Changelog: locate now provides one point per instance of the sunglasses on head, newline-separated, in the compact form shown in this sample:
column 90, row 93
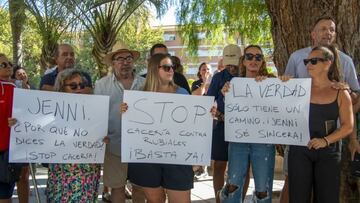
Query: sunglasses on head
column 75, row 85
column 258, row 57
column 313, row 61
column 6, row 65
column 166, row 67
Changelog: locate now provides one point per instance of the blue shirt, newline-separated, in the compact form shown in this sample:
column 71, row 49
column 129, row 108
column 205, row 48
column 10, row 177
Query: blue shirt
column 217, row 82
column 49, row 79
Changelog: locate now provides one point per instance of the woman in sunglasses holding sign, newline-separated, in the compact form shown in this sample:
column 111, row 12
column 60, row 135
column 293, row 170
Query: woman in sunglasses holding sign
column 72, row 182
column 241, row 155
column 173, row 180
column 317, row 166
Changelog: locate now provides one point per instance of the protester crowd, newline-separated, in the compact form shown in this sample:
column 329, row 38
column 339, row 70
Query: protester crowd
column 312, row 171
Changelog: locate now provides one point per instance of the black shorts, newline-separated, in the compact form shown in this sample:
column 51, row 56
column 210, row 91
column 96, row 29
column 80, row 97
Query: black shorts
column 168, row 176
column 219, row 149
column 6, row 190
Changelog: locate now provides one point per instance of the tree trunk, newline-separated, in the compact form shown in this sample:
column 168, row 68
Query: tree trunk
column 17, row 18
column 292, row 22
column 47, row 54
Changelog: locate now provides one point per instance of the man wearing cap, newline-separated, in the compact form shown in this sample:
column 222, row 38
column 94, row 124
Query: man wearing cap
column 219, row 150
column 121, row 60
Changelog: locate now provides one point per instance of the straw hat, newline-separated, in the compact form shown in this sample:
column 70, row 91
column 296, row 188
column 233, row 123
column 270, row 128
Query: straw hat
column 120, row 48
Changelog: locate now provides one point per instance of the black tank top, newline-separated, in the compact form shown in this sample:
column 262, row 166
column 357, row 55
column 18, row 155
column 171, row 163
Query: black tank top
column 320, row 114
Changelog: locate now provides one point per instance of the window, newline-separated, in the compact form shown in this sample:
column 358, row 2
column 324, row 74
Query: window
column 169, row 37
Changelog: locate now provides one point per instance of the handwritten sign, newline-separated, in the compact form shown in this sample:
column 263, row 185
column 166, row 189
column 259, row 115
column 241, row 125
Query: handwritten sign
column 57, row 127
column 270, row 111
column 166, row 128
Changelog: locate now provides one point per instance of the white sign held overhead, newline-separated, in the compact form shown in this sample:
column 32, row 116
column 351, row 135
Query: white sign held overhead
column 55, row 127
column 166, row 128
column 270, row 111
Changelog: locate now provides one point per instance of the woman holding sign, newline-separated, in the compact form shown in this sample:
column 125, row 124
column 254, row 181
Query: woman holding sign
column 260, row 156
column 72, row 182
column 317, row 166
column 159, row 180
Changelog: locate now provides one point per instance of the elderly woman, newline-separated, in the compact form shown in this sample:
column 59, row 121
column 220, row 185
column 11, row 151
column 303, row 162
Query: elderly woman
column 72, row 182
column 317, row 166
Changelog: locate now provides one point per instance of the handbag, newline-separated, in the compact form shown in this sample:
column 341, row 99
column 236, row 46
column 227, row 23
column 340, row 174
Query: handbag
column 355, row 165
column 9, row 172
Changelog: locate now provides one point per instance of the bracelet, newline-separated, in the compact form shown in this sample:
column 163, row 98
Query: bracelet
column 327, row 141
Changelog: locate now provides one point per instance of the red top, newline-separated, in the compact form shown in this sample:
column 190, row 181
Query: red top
column 6, row 102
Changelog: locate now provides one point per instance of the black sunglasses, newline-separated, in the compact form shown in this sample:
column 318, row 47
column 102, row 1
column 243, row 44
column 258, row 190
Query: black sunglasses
column 166, row 67
column 75, row 85
column 313, row 61
column 258, row 57
column 6, row 65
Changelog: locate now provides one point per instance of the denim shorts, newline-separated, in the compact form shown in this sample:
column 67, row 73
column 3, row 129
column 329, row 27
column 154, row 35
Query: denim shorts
column 168, row 176
column 6, row 190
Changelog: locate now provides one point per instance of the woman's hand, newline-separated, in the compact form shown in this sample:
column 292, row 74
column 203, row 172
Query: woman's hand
column 285, row 78
column 213, row 111
column 353, row 147
column 123, row 107
column 106, row 140
column 225, row 88
column 317, row 143
column 11, row 121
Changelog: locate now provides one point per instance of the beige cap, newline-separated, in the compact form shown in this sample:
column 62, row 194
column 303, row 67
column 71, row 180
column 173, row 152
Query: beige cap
column 119, row 48
column 231, row 55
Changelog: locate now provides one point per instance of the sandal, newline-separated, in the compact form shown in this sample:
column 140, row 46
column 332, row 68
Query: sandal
column 106, row 197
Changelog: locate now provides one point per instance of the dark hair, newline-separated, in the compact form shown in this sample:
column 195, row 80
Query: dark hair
column 330, row 53
column 198, row 73
column 16, row 68
column 323, row 18
column 158, row 45
column 178, row 67
column 262, row 71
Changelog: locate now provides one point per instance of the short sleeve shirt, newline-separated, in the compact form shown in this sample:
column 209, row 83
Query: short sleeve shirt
column 296, row 67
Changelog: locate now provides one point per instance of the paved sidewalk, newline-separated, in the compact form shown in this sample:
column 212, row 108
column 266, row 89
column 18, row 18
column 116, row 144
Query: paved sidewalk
column 201, row 193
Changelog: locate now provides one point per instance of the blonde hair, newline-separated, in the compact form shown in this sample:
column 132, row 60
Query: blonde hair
column 152, row 78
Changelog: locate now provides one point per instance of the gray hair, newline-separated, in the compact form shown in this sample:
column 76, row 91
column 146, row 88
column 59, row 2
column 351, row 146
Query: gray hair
column 64, row 75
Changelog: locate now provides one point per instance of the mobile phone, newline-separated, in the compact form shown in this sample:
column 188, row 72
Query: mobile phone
column 355, row 165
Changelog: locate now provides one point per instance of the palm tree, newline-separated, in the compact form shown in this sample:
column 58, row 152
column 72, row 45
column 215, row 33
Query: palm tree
column 103, row 20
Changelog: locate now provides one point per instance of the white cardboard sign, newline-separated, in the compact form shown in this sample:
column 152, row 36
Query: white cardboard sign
column 58, row 127
column 166, row 128
column 270, row 111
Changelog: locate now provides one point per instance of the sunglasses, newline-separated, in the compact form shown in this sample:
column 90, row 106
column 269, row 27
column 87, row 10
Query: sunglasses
column 258, row 57
column 75, row 85
column 6, row 65
column 313, row 61
column 166, row 67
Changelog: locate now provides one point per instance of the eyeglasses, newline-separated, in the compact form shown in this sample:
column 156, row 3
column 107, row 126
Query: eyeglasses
column 166, row 67
column 313, row 61
column 123, row 59
column 258, row 57
column 6, row 65
column 75, row 85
